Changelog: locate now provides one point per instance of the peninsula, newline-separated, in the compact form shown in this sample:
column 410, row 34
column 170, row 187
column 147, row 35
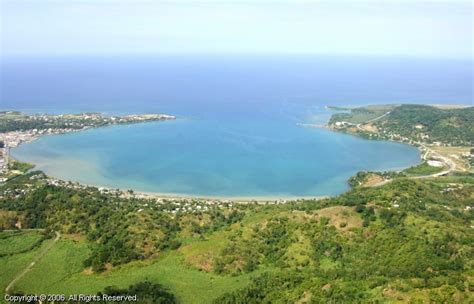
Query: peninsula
column 444, row 134
column 17, row 128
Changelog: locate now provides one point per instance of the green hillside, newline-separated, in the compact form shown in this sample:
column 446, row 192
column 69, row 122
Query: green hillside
column 415, row 122
column 409, row 240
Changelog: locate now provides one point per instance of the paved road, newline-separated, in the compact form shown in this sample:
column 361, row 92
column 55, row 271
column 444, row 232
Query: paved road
column 451, row 166
column 377, row 118
column 32, row 264
column 371, row 120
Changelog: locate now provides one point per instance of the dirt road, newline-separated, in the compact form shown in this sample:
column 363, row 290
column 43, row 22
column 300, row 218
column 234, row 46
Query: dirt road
column 32, row 264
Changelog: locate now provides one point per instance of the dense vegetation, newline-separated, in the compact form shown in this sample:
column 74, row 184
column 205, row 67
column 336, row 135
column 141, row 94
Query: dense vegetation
column 360, row 115
column 454, row 126
column 19, row 166
column 121, row 229
column 146, row 292
column 416, row 122
column 362, row 178
column 409, row 240
column 409, row 246
column 142, row 292
column 12, row 244
column 423, row 169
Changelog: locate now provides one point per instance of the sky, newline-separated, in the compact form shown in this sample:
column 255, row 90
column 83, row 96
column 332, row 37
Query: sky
column 338, row 27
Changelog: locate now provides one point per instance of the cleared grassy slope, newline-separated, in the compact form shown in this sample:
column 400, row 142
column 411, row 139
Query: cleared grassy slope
column 61, row 271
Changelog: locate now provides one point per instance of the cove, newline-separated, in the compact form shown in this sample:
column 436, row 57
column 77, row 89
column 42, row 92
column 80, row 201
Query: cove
column 260, row 156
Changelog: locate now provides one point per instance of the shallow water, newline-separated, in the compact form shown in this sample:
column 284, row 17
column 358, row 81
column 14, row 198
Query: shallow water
column 214, row 158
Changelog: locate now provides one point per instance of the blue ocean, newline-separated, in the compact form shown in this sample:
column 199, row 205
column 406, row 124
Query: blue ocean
column 237, row 132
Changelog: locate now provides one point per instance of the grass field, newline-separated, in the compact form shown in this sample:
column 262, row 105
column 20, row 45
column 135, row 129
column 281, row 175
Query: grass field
column 20, row 166
column 362, row 115
column 63, row 268
column 177, row 270
column 456, row 155
column 423, row 169
column 16, row 242
column 11, row 265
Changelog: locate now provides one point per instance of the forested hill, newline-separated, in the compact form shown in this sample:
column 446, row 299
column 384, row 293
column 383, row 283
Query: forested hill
column 408, row 241
column 425, row 123
column 447, row 126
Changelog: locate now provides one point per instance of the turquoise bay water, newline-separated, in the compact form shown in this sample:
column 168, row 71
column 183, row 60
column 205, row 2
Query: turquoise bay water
column 214, row 158
column 237, row 132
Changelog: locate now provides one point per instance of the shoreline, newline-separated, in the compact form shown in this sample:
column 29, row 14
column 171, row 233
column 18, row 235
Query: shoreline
column 223, row 199
column 427, row 150
column 419, row 146
column 152, row 194
column 165, row 196
column 216, row 198
column 28, row 128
